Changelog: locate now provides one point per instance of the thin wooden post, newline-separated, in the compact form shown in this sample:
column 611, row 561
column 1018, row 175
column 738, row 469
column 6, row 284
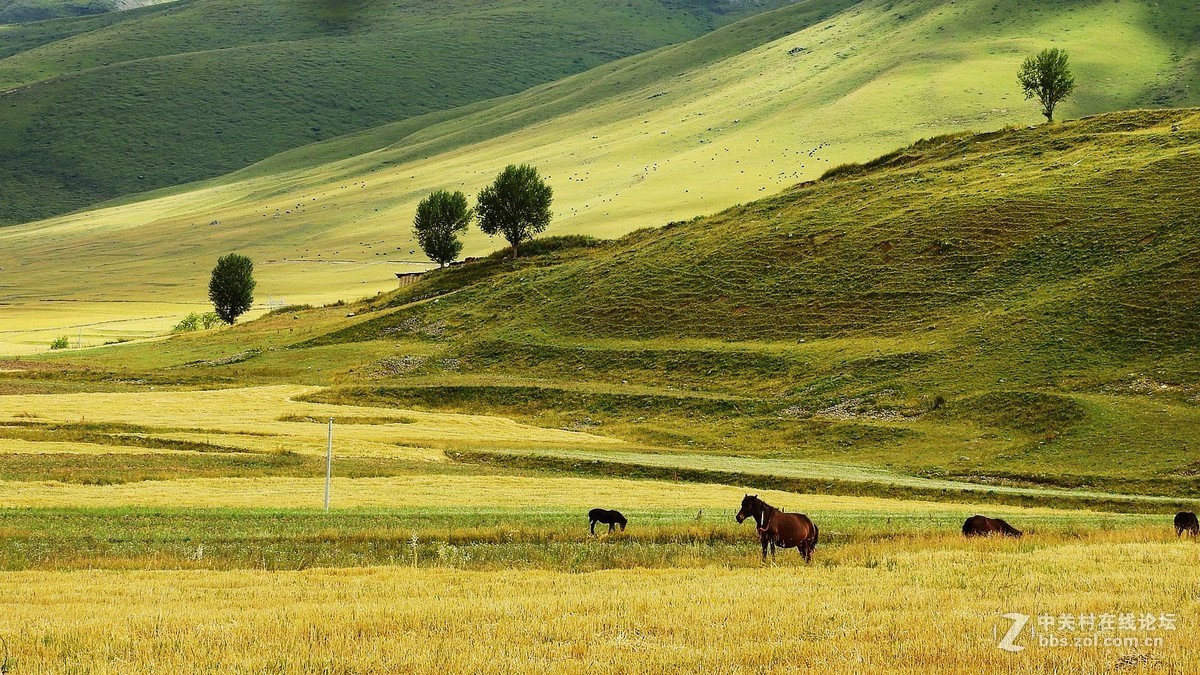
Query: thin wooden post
column 328, row 463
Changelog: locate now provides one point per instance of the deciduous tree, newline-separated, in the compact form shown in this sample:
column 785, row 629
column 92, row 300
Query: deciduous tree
column 516, row 206
column 1048, row 78
column 441, row 217
column 231, row 287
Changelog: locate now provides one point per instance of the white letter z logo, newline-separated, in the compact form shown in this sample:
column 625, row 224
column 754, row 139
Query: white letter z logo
column 1019, row 621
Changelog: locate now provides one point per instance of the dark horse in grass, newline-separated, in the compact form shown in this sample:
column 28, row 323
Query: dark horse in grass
column 981, row 526
column 776, row 528
column 610, row 518
column 1185, row 521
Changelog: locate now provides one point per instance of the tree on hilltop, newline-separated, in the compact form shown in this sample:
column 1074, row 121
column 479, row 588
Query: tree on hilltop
column 517, row 205
column 440, row 218
column 1048, row 78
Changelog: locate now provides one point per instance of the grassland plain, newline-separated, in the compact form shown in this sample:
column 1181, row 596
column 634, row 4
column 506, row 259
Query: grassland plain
column 164, row 95
column 108, row 578
column 728, row 118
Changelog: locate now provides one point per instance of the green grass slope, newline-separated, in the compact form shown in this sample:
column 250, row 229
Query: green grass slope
column 1017, row 309
column 728, row 118
column 197, row 88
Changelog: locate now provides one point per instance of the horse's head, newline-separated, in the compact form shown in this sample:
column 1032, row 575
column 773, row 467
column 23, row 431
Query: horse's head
column 750, row 506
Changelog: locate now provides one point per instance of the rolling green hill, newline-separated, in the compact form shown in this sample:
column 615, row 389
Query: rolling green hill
column 1017, row 308
column 741, row 113
column 193, row 89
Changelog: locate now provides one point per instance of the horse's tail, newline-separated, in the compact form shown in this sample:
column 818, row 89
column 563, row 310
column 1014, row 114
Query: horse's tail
column 816, row 535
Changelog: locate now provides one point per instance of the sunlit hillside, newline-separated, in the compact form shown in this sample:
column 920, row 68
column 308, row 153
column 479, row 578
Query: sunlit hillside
column 731, row 117
column 104, row 106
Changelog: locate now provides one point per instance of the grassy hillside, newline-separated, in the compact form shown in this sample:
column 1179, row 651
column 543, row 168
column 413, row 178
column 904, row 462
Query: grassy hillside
column 198, row 88
column 1015, row 309
column 1020, row 305
column 725, row 119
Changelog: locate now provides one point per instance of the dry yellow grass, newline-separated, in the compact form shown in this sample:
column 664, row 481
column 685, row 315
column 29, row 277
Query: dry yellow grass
column 250, row 418
column 12, row 446
column 30, row 327
column 441, row 491
column 431, row 490
column 921, row 601
column 899, row 610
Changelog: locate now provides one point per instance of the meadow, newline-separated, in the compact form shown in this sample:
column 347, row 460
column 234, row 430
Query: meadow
column 146, row 561
column 526, row 590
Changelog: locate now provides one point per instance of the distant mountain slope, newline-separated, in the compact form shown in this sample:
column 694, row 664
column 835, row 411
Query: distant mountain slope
column 19, row 11
column 741, row 113
column 197, row 88
column 22, row 11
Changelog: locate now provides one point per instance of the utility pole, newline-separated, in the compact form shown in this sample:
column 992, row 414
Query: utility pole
column 328, row 463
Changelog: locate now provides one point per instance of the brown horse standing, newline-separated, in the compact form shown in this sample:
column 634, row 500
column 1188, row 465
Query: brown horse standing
column 980, row 526
column 1185, row 521
column 776, row 528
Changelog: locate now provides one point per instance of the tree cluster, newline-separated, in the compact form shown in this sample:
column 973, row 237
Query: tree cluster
column 515, row 206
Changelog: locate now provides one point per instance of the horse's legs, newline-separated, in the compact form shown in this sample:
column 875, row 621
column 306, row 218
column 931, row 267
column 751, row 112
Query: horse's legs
column 612, row 526
column 592, row 527
column 772, row 550
column 764, row 546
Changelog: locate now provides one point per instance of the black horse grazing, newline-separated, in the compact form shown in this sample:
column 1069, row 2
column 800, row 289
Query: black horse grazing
column 979, row 526
column 1185, row 521
column 610, row 518
column 776, row 528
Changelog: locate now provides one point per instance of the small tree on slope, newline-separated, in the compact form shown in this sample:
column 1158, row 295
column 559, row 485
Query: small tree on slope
column 1048, row 78
column 517, row 205
column 440, row 218
column 231, row 287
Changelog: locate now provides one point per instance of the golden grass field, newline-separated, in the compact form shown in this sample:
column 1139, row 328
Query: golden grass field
column 677, row 595
column 417, row 491
column 251, row 418
column 893, row 607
